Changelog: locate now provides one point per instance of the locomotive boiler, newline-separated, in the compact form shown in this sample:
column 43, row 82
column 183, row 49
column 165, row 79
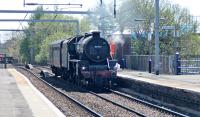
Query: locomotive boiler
column 83, row 59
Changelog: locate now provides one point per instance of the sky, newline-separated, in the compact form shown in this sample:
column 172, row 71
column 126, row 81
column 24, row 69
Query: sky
column 19, row 5
column 192, row 5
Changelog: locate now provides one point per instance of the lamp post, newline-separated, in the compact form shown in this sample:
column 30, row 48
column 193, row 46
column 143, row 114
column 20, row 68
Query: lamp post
column 151, row 25
column 150, row 31
column 5, row 64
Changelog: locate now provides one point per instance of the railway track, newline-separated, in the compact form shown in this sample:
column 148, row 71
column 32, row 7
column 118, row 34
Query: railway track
column 121, row 106
column 90, row 95
column 161, row 108
column 132, row 104
column 65, row 95
column 117, row 104
column 96, row 105
column 157, row 107
column 135, row 100
column 127, row 103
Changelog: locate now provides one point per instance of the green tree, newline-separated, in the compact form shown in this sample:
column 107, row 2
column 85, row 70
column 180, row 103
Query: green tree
column 85, row 25
column 42, row 57
column 13, row 46
column 174, row 15
column 25, row 50
column 38, row 35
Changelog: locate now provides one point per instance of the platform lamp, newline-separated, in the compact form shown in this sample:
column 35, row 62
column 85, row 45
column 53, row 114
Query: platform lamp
column 150, row 31
column 5, row 65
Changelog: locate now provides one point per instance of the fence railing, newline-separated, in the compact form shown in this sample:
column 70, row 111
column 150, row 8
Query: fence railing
column 174, row 64
column 141, row 63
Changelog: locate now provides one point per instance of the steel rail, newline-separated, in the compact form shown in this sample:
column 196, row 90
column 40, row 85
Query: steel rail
column 64, row 94
column 124, row 107
column 148, row 104
column 134, row 99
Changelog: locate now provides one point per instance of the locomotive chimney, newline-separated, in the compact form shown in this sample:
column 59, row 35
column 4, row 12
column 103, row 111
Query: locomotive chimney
column 96, row 34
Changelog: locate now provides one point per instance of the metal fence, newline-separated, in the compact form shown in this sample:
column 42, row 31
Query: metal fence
column 141, row 63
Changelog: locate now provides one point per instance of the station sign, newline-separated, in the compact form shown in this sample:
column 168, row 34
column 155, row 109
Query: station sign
column 168, row 27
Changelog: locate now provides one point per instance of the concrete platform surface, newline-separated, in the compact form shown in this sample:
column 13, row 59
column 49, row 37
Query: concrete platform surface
column 12, row 103
column 18, row 98
column 187, row 82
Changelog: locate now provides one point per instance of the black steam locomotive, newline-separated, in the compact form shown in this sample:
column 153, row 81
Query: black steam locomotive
column 83, row 59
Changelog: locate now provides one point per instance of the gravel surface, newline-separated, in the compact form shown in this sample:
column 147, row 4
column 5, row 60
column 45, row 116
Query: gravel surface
column 148, row 111
column 69, row 108
column 86, row 98
column 105, row 108
column 99, row 105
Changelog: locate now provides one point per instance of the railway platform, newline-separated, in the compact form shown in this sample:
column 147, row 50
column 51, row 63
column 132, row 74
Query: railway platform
column 179, row 92
column 186, row 82
column 19, row 98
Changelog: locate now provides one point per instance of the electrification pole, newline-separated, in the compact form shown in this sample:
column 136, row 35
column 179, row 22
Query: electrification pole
column 157, row 56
